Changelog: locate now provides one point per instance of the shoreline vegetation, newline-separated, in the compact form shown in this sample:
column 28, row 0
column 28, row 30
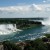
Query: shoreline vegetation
column 37, row 44
column 22, row 23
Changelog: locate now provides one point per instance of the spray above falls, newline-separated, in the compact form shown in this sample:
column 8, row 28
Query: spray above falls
column 46, row 21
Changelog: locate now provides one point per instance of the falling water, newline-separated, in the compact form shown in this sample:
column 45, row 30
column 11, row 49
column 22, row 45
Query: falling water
column 46, row 21
column 6, row 29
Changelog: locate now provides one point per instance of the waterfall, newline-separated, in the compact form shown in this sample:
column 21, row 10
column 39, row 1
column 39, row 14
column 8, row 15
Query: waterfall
column 6, row 29
column 46, row 21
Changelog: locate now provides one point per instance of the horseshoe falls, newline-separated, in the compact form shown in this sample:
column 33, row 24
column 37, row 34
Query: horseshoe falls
column 46, row 21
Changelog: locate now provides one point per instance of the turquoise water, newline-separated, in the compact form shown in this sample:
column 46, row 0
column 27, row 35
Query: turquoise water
column 28, row 34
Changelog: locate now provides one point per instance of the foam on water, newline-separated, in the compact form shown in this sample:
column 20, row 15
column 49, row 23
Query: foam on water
column 6, row 29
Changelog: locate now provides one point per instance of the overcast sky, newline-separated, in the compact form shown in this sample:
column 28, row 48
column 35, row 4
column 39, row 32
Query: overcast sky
column 24, row 8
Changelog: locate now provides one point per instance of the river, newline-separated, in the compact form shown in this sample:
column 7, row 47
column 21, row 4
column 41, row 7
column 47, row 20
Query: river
column 9, row 32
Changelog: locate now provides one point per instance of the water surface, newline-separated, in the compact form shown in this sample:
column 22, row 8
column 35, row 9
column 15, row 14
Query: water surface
column 30, row 34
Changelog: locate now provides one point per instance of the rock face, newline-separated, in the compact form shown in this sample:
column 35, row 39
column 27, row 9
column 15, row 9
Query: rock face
column 1, row 47
column 27, row 24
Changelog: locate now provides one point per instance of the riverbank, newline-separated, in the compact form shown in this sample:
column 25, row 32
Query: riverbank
column 24, row 24
column 37, row 44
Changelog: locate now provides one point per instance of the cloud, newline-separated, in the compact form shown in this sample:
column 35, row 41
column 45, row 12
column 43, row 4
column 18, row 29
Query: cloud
column 44, row 1
column 48, row 9
column 47, row 0
column 21, row 8
column 37, row 7
column 33, row 10
column 15, row 8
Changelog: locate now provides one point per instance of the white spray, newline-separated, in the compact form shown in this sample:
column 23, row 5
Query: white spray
column 6, row 29
column 46, row 21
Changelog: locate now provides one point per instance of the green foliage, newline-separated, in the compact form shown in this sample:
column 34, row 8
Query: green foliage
column 10, row 46
column 41, row 46
column 48, row 46
column 37, row 44
column 45, row 39
column 47, row 35
column 28, row 47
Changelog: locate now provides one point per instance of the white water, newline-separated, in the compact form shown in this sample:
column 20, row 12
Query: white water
column 46, row 22
column 6, row 29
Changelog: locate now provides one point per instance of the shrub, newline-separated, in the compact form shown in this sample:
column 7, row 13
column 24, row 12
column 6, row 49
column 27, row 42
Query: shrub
column 10, row 46
column 45, row 39
column 47, row 35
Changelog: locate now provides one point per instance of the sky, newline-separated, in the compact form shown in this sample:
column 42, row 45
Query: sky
column 24, row 8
